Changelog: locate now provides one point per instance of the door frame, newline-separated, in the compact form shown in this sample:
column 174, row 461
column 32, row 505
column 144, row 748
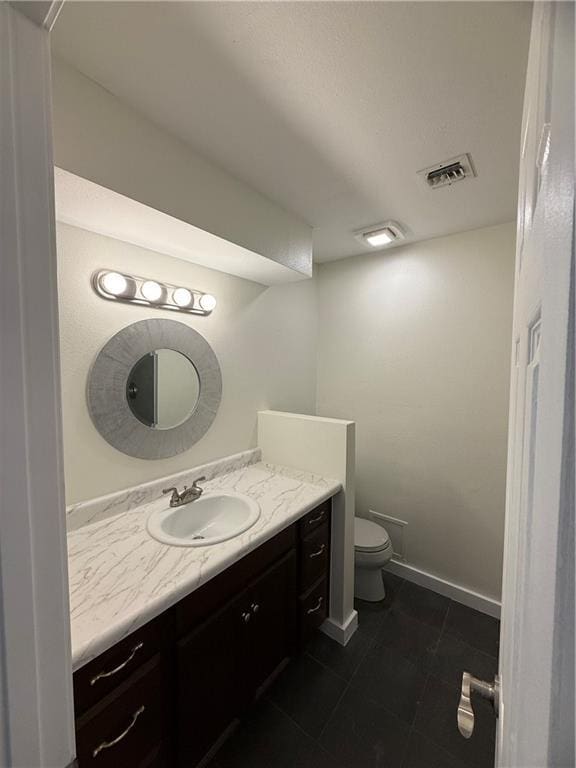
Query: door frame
column 536, row 717
column 36, row 702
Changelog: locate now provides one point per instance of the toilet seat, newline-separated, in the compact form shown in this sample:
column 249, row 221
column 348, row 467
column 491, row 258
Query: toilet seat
column 369, row 536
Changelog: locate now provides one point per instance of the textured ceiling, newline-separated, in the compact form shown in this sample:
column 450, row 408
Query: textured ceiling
column 328, row 108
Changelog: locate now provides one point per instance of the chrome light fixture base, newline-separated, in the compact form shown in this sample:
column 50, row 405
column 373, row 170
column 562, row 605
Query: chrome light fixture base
column 118, row 286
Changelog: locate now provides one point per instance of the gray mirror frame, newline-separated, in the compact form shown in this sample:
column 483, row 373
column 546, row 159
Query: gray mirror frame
column 106, row 391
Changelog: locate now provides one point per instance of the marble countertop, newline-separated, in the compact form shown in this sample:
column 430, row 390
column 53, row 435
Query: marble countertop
column 120, row 577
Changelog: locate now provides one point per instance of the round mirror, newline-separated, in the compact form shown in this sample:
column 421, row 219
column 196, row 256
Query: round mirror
column 163, row 389
column 154, row 388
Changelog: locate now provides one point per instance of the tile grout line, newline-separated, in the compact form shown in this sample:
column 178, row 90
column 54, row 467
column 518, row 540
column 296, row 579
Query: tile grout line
column 345, row 689
column 315, row 739
column 443, row 627
column 424, row 687
column 324, row 666
column 294, row 722
column 371, row 644
column 347, row 686
column 413, row 723
column 369, row 647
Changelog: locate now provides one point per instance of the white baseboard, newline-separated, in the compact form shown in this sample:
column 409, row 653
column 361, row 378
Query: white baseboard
column 341, row 632
column 460, row 594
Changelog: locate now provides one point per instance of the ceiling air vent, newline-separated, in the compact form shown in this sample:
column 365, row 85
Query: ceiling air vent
column 448, row 172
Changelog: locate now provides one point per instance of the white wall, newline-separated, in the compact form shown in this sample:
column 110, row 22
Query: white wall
column 414, row 345
column 100, row 138
column 264, row 338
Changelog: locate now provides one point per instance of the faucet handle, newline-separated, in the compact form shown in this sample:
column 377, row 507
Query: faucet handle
column 198, row 480
column 170, row 490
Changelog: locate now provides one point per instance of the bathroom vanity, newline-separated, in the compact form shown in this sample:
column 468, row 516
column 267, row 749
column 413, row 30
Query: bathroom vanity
column 189, row 593
column 165, row 693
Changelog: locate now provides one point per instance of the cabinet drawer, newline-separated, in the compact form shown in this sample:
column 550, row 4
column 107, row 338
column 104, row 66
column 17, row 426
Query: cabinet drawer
column 313, row 609
column 128, row 727
column 314, row 518
column 98, row 678
column 314, row 556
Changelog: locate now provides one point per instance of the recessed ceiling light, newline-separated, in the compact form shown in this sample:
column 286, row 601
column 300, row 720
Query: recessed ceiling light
column 380, row 235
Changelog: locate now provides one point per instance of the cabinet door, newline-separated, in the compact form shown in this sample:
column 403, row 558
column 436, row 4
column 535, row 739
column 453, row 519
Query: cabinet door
column 207, row 681
column 273, row 599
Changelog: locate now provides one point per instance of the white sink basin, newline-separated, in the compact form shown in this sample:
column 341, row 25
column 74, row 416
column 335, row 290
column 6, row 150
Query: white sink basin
column 212, row 518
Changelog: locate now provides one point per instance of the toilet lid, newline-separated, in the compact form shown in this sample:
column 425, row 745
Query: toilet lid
column 369, row 536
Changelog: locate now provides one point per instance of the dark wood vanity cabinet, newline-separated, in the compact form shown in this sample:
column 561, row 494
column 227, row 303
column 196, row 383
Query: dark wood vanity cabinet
column 208, row 662
column 131, row 725
column 222, row 664
column 166, row 694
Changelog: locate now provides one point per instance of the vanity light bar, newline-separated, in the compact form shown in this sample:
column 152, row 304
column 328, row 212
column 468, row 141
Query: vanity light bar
column 117, row 286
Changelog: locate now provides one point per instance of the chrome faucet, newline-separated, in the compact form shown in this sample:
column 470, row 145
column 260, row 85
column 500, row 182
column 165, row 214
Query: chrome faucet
column 187, row 495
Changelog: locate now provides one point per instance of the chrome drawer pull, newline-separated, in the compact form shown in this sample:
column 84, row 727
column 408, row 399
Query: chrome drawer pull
column 119, row 667
column 316, row 519
column 316, row 607
column 319, row 552
column 108, row 744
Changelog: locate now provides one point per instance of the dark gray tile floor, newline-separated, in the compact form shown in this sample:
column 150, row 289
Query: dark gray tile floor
column 386, row 700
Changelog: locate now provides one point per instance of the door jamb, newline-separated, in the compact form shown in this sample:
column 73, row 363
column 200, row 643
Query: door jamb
column 36, row 702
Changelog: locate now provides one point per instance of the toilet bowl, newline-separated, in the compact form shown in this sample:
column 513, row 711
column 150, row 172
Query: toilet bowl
column 372, row 550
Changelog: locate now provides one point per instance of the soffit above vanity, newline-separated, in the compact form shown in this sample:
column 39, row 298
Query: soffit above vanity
column 87, row 205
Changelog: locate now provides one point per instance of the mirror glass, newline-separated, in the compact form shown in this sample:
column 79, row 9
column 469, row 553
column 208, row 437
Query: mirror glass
column 163, row 389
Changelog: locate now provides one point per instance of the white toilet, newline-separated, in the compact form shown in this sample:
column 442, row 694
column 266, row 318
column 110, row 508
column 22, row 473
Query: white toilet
column 372, row 550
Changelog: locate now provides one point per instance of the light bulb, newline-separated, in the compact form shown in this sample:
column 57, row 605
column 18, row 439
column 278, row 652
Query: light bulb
column 182, row 297
column 151, row 290
column 380, row 237
column 207, row 302
column 114, row 283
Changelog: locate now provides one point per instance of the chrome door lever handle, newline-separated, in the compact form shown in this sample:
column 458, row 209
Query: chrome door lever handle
column 490, row 691
column 465, row 711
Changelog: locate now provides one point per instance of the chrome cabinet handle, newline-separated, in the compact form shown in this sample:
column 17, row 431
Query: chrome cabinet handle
column 317, row 606
column 318, row 552
column 108, row 744
column 316, row 519
column 246, row 616
column 133, row 653
column 254, row 607
column 471, row 684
